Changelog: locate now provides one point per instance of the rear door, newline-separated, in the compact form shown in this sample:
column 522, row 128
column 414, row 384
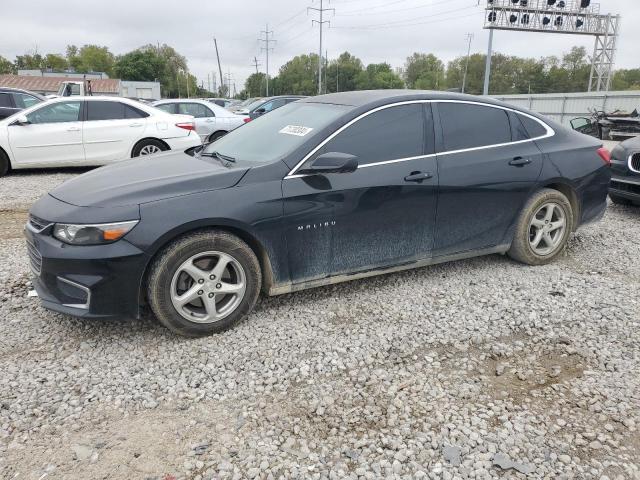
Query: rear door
column 110, row 130
column 486, row 173
column 53, row 136
column 204, row 118
column 381, row 215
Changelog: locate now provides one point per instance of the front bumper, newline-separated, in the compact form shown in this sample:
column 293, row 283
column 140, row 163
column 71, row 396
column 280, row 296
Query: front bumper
column 101, row 281
column 184, row 143
column 626, row 188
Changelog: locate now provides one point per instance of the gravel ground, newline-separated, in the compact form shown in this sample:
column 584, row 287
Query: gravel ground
column 475, row 369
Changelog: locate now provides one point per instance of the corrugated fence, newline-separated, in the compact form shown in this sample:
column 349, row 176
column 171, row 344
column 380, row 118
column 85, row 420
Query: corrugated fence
column 562, row 107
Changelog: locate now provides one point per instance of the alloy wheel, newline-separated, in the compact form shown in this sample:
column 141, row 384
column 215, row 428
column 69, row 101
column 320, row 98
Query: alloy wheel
column 547, row 229
column 208, row 287
column 149, row 150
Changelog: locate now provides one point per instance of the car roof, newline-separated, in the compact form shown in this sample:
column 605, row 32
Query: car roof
column 20, row 90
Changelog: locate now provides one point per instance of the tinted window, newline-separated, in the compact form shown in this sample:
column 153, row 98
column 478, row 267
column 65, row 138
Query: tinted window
column 132, row 112
column 532, row 127
column 195, row 109
column 168, row 107
column 392, row 133
column 56, row 113
column 467, row 126
column 5, row 100
column 25, row 101
column 105, row 111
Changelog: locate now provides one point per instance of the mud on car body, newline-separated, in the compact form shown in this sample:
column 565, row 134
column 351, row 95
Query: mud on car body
column 320, row 191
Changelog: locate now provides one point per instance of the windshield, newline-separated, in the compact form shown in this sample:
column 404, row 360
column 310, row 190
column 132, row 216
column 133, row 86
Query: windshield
column 255, row 104
column 271, row 137
column 249, row 101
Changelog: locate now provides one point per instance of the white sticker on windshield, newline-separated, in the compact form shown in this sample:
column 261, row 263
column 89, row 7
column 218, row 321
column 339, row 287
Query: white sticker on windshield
column 296, row 130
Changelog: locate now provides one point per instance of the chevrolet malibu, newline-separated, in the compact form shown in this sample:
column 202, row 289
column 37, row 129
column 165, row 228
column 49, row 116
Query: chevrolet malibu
column 323, row 190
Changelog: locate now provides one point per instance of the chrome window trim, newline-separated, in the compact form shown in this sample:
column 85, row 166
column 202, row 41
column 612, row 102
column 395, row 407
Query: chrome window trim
column 630, row 162
column 83, row 306
column 550, row 132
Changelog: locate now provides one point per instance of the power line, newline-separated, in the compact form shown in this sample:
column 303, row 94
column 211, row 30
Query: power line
column 466, row 65
column 401, row 23
column 367, row 11
column 321, row 23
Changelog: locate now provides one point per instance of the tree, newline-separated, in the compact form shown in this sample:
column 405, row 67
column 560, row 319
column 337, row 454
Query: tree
column 256, row 85
column 55, row 62
column 29, row 62
column 378, row 76
column 622, row 79
column 91, row 58
column 5, row 65
column 424, row 71
column 343, row 72
column 298, row 76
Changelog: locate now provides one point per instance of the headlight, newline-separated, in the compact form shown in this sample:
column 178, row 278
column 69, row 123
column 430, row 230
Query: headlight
column 92, row 234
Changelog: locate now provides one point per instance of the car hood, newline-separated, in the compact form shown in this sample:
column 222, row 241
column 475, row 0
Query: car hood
column 147, row 179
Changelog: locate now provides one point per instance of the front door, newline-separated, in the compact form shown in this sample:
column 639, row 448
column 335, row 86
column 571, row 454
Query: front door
column 382, row 214
column 486, row 173
column 53, row 136
column 205, row 119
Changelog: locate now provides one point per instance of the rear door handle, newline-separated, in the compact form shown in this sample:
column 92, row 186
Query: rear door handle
column 135, row 124
column 73, row 129
column 520, row 162
column 418, row 177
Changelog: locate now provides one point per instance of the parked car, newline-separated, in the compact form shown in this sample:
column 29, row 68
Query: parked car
column 625, row 169
column 266, row 105
column 321, row 191
column 85, row 131
column 212, row 121
column 221, row 102
column 609, row 126
column 242, row 106
column 12, row 100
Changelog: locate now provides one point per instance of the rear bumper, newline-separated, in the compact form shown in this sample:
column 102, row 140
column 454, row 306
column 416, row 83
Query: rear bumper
column 86, row 281
column 183, row 143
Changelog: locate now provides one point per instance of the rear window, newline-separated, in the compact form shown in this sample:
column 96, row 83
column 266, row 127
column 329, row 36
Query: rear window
column 466, row 125
column 533, row 128
column 5, row 100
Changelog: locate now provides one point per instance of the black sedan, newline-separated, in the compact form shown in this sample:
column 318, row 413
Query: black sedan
column 12, row 100
column 265, row 105
column 625, row 169
column 323, row 190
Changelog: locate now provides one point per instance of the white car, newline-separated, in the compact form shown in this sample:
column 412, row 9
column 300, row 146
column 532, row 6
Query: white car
column 212, row 121
column 87, row 131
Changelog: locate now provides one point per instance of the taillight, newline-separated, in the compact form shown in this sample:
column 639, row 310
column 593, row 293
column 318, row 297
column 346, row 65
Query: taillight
column 247, row 120
column 605, row 155
column 186, row 125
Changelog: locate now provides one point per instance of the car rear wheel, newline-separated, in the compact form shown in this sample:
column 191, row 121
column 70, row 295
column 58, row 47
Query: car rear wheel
column 148, row 147
column 619, row 200
column 215, row 136
column 204, row 283
column 543, row 228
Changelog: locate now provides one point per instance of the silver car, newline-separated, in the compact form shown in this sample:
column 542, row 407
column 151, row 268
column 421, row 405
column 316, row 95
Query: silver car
column 212, row 121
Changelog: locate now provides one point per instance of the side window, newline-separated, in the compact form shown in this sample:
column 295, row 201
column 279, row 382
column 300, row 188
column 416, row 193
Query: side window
column 168, row 107
column 5, row 100
column 267, row 107
column 132, row 112
column 195, row 109
column 23, row 100
column 389, row 134
column 104, row 111
column 533, row 128
column 467, row 125
column 56, row 113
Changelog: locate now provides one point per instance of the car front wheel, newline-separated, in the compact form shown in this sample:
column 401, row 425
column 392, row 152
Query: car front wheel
column 543, row 228
column 204, row 283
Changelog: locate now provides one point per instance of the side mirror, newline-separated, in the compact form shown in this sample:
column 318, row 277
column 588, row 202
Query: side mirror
column 260, row 111
column 333, row 162
column 21, row 120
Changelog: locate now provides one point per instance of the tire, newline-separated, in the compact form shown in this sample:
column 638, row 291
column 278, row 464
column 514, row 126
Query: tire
column 536, row 224
column 148, row 147
column 216, row 135
column 618, row 200
column 205, row 314
column 5, row 164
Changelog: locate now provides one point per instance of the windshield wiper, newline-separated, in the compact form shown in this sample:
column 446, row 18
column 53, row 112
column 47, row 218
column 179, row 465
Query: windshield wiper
column 219, row 156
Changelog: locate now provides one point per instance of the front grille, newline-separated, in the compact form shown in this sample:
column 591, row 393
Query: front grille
column 35, row 259
column 625, row 187
column 634, row 162
column 38, row 223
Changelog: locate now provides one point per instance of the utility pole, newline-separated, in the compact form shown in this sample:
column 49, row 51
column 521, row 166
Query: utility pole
column 321, row 23
column 256, row 63
column 209, row 82
column 267, row 48
column 466, row 66
column 219, row 64
column 487, row 68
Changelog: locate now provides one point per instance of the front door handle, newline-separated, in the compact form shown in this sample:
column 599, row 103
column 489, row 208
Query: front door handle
column 520, row 162
column 135, row 124
column 418, row 177
column 73, row 129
